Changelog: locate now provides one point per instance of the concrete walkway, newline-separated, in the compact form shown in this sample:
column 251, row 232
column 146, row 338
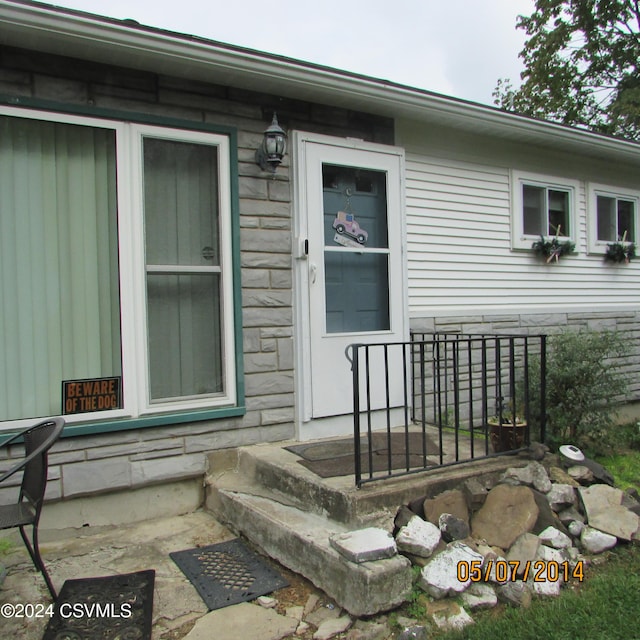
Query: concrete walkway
column 124, row 549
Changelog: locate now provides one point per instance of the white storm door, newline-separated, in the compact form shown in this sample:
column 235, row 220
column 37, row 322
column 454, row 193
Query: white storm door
column 355, row 265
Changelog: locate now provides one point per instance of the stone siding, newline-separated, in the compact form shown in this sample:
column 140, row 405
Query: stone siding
column 627, row 322
column 128, row 459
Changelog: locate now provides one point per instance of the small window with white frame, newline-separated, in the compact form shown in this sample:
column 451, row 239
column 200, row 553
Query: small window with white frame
column 542, row 206
column 613, row 216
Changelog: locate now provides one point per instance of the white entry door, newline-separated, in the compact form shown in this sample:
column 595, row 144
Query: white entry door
column 352, row 272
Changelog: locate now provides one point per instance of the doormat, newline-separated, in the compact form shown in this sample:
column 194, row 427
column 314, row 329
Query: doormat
column 332, row 458
column 227, row 573
column 109, row 607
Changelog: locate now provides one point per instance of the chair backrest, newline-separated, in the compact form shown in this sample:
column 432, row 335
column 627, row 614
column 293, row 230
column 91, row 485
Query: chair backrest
column 37, row 441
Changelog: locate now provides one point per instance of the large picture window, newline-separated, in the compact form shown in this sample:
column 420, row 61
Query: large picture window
column 115, row 253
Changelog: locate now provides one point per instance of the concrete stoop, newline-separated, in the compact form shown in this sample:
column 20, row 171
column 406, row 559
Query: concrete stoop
column 290, row 513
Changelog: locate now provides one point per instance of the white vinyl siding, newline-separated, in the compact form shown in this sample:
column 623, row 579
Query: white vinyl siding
column 460, row 258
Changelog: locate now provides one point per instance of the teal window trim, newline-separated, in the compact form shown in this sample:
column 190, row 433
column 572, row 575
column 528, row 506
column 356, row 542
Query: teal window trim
column 125, row 424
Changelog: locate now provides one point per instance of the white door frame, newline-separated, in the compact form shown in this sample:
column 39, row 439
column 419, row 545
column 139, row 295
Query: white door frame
column 307, row 427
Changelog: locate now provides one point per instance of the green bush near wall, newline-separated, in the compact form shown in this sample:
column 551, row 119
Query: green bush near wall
column 584, row 386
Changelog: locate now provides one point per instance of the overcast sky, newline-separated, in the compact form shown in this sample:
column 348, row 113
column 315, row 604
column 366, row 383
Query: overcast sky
column 456, row 47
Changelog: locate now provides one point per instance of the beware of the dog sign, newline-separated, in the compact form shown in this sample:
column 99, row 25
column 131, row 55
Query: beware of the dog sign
column 94, row 394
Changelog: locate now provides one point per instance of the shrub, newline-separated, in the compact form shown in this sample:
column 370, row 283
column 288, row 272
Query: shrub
column 584, row 384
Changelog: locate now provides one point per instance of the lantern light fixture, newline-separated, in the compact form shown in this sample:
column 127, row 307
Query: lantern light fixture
column 274, row 145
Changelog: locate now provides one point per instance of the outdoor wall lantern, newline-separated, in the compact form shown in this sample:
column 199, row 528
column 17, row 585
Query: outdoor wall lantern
column 273, row 147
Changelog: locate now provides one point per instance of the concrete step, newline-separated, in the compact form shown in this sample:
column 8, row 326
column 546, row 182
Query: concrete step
column 290, row 513
column 300, row 541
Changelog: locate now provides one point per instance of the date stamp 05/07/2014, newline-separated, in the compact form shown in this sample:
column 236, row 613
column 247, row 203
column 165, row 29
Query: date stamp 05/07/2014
column 510, row 570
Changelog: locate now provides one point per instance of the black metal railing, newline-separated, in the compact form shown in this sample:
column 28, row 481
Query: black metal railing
column 443, row 399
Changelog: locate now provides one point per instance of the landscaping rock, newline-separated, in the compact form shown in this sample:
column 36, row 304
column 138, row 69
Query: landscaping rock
column 449, row 615
column 569, row 515
column 604, row 510
column 600, row 473
column 575, row 528
column 452, row 528
column 330, row 628
column 439, row 578
column 452, row 501
column 507, row 513
column 560, row 476
column 561, row 497
column 417, row 632
column 475, row 493
column 480, row 596
column 581, row 474
column 515, row 593
column 418, row 537
column 364, row 545
column 524, row 550
column 617, row 521
column 594, row 541
column 552, row 537
column 547, row 517
column 533, row 475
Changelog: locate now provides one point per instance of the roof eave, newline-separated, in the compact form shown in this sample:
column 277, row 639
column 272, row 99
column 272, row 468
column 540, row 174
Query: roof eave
column 77, row 34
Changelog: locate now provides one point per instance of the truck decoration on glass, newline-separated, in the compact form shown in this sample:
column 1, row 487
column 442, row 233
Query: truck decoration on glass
column 346, row 226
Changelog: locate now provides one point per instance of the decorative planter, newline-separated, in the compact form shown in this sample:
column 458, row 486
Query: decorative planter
column 620, row 252
column 506, row 436
column 552, row 250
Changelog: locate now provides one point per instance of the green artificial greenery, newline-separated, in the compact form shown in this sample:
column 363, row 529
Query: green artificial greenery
column 580, row 66
column 584, row 384
column 619, row 252
column 552, row 249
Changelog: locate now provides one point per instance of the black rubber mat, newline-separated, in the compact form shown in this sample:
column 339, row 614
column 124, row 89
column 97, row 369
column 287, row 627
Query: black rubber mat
column 108, row 607
column 227, row 573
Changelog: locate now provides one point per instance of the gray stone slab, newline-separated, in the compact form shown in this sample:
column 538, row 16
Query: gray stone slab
column 365, row 545
column 246, row 621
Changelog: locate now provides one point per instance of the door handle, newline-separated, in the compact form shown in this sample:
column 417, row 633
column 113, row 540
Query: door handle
column 313, row 271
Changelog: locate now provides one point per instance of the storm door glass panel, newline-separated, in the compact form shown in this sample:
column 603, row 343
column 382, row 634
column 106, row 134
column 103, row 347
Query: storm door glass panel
column 183, row 269
column 356, row 249
column 357, row 292
column 59, row 286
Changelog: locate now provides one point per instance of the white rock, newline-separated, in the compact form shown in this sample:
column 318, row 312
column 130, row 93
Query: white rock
column 439, row 578
column 418, row 537
column 364, row 545
column 553, row 537
column 453, row 617
column 561, row 496
column 479, row 596
column 575, row 528
column 330, row 628
column 595, row 541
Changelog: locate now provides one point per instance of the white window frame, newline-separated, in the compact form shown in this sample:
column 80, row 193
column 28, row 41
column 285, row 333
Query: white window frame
column 522, row 241
column 132, row 273
column 594, row 190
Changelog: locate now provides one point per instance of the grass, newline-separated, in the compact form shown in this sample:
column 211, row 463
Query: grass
column 603, row 607
column 625, row 468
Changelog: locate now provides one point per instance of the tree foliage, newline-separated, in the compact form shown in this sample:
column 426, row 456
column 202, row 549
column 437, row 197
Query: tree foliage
column 581, row 62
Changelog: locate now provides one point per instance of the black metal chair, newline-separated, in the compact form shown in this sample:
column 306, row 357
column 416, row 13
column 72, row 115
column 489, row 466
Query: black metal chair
column 38, row 439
